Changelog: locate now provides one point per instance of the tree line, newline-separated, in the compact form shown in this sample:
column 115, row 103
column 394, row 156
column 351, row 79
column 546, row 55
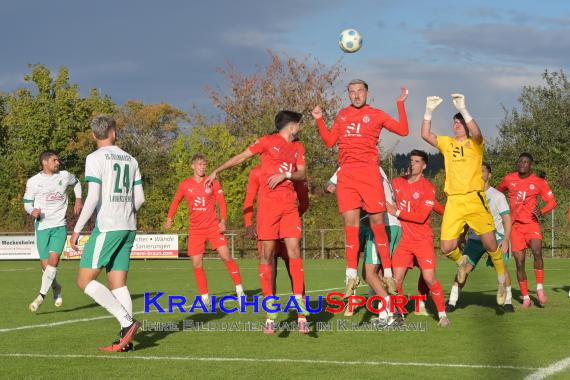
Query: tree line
column 50, row 113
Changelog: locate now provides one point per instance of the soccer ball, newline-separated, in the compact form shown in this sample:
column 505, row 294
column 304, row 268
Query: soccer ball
column 350, row 41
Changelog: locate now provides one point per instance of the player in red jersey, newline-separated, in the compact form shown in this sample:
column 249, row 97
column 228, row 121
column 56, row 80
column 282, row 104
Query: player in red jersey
column 282, row 164
column 253, row 185
column 356, row 131
column 523, row 189
column 204, row 224
column 415, row 199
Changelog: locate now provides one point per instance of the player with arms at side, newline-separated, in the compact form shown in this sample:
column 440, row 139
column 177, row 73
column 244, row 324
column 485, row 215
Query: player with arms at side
column 464, row 187
column 523, row 188
column 282, row 163
column 475, row 250
column 356, row 131
column 46, row 201
column 204, row 225
column 415, row 200
column 115, row 194
column 253, row 186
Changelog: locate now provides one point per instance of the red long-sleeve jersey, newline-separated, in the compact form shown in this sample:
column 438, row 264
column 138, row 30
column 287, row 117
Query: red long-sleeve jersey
column 415, row 201
column 523, row 196
column 357, row 130
column 253, row 185
column 201, row 202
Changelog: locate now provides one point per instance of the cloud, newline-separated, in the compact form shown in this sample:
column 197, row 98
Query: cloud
column 487, row 88
column 516, row 43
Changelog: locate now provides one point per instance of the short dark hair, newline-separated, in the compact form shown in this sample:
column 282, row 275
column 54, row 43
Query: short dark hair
column 46, row 154
column 527, row 155
column 488, row 166
column 460, row 117
column 285, row 117
column 197, row 157
column 420, row 153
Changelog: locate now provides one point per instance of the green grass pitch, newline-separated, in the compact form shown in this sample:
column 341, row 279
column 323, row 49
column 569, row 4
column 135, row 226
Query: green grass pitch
column 482, row 342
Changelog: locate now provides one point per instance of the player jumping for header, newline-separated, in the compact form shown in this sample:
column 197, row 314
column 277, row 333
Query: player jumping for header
column 356, row 131
column 464, row 187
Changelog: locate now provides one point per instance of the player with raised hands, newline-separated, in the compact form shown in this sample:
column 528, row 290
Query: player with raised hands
column 356, row 132
column 464, row 187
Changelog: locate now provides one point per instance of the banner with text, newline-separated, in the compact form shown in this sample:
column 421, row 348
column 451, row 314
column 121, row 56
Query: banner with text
column 144, row 247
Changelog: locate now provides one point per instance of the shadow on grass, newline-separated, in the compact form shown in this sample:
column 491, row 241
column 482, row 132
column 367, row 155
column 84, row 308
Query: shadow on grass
column 152, row 338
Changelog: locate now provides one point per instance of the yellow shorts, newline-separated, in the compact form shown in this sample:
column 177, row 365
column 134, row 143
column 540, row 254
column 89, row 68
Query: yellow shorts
column 472, row 209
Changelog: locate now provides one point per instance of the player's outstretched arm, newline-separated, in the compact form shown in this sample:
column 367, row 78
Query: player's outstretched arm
column 93, row 196
column 329, row 136
column 474, row 130
column 431, row 104
column 235, row 160
column 401, row 127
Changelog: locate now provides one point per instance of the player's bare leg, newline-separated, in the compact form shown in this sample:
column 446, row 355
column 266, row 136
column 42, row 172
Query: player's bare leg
column 383, row 247
column 201, row 280
column 351, row 223
column 87, row 282
column 520, row 258
column 233, row 269
column 450, row 248
column 293, row 246
column 48, row 280
column 437, row 295
column 423, row 290
column 536, row 248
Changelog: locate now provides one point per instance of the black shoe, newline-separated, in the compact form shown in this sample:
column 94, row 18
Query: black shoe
column 449, row 308
column 508, row 308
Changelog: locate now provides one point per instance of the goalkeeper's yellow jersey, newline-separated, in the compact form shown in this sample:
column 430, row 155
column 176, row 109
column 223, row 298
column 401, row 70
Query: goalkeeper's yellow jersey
column 463, row 162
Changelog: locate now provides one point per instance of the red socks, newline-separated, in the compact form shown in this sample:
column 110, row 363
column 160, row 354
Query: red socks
column 296, row 266
column 382, row 244
column 234, row 271
column 524, row 287
column 352, row 246
column 539, row 274
column 201, row 280
column 265, row 276
column 437, row 296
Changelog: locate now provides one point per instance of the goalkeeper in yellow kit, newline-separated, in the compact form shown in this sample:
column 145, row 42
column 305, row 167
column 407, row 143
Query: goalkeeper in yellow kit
column 464, row 186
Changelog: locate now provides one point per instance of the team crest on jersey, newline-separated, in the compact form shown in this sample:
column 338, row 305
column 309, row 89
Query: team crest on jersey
column 416, row 195
column 531, row 186
column 366, row 119
column 60, row 183
column 207, row 190
column 468, row 145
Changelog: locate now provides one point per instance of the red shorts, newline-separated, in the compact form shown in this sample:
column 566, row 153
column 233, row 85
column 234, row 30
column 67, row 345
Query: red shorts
column 278, row 218
column 408, row 254
column 522, row 234
column 197, row 241
column 360, row 187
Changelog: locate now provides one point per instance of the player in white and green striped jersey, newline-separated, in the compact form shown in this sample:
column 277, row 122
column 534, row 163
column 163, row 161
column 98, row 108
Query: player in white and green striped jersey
column 115, row 191
column 46, row 201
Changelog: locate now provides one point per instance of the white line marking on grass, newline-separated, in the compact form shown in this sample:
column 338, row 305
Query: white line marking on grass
column 17, row 270
column 276, row 360
column 70, row 321
column 556, row 367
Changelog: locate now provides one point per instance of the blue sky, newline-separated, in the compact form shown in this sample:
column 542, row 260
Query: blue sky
column 169, row 51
